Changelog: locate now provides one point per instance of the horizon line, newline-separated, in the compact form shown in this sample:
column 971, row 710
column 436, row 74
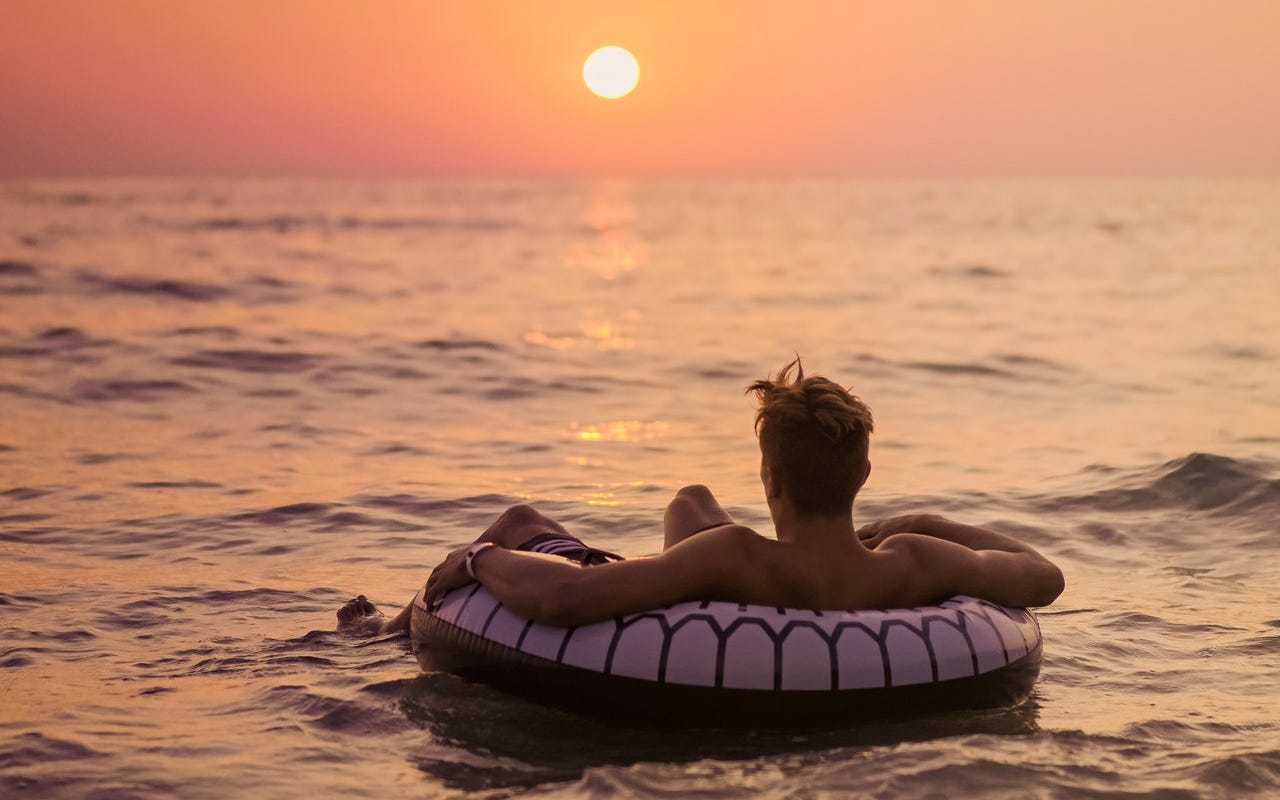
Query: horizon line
column 658, row 175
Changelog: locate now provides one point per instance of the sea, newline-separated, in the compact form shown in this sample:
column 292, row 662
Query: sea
column 228, row 405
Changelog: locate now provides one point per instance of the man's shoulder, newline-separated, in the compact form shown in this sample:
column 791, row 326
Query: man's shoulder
column 925, row 558
column 722, row 540
column 928, row 567
column 731, row 535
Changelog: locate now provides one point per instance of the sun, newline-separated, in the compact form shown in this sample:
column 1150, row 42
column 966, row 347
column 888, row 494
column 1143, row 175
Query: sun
column 611, row 72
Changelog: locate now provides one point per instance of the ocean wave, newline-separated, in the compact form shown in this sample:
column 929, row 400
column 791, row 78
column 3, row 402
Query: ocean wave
column 263, row 361
column 1150, row 624
column 317, row 517
column 22, row 269
column 19, row 600
column 304, row 430
column 1037, row 765
column 264, row 597
column 62, row 343
column 284, row 514
column 19, row 390
column 162, row 287
column 1201, row 482
column 1003, row 366
column 397, row 449
column 21, row 493
column 29, row 749
column 341, row 521
column 981, row 271
column 193, row 483
column 134, row 619
column 417, row 506
column 334, row 714
column 292, row 223
column 74, row 198
column 460, row 344
column 1241, row 352
column 276, row 223
column 18, row 277
column 951, row 368
column 338, row 372
column 274, row 531
column 476, row 224
column 24, row 518
column 1023, row 360
column 215, row 331
column 124, row 390
column 520, row 387
column 92, row 459
column 37, row 535
column 27, row 647
column 21, row 289
column 1259, row 645
column 1248, row 772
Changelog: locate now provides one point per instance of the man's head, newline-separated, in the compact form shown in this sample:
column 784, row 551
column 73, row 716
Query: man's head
column 813, row 441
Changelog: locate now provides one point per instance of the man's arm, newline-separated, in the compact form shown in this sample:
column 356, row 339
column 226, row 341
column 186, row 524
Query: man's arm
column 939, row 527
column 963, row 559
column 556, row 592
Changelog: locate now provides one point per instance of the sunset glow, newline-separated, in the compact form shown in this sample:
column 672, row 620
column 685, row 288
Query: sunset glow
column 611, row 72
column 880, row 87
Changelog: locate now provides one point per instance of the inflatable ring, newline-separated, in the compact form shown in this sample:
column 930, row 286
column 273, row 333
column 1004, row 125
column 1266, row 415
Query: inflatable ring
column 715, row 664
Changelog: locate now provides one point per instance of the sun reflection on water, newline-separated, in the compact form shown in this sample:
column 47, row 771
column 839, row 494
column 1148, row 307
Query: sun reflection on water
column 613, row 249
column 601, row 498
column 611, row 254
column 600, row 335
column 624, row 430
column 605, row 494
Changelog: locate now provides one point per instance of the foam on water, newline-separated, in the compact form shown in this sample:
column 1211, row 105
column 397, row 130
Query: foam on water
column 228, row 406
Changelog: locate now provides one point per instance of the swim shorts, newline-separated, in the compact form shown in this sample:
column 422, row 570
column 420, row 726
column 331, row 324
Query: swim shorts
column 567, row 546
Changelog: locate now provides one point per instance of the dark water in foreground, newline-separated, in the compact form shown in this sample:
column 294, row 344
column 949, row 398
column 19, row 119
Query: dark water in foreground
column 226, row 407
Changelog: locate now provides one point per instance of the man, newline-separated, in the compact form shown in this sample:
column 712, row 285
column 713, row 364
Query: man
column 813, row 445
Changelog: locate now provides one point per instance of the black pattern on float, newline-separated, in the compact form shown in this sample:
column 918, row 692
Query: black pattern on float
column 891, row 647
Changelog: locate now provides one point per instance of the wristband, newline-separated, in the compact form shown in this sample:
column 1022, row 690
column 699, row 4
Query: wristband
column 473, row 551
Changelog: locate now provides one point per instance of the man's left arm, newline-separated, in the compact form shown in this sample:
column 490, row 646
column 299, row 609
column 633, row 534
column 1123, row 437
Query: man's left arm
column 1019, row 578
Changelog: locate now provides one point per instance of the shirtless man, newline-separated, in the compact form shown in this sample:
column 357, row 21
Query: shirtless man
column 813, row 445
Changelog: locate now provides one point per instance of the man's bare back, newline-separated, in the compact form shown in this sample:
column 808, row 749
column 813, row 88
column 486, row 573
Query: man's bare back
column 900, row 562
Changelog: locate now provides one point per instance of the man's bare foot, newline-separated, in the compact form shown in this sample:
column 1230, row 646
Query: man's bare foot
column 361, row 617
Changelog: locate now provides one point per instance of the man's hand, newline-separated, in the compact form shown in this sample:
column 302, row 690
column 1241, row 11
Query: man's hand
column 447, row 576
column 874, row 533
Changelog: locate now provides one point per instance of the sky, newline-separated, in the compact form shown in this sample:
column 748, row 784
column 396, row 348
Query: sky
column 786, row 87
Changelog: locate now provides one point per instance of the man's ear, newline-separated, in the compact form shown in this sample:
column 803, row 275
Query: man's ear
column 866, row 473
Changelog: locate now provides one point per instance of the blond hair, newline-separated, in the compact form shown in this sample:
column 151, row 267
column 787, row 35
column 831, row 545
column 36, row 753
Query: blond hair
column 814, row 435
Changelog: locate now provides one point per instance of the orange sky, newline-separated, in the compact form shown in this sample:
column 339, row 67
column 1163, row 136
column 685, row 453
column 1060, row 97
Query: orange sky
column 870, row 87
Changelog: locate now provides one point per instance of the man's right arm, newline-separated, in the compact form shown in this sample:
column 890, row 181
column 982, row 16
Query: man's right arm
column 551, row 590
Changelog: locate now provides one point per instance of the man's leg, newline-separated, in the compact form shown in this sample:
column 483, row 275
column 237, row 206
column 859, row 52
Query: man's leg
column 518, row 525
column 693, row 510
column 360, row 616
column 512, row 528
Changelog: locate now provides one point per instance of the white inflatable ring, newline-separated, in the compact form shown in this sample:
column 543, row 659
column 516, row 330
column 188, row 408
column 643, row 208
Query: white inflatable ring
column 743, row 663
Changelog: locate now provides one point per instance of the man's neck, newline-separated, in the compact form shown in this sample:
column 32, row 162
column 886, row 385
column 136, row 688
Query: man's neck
column 794, row 528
